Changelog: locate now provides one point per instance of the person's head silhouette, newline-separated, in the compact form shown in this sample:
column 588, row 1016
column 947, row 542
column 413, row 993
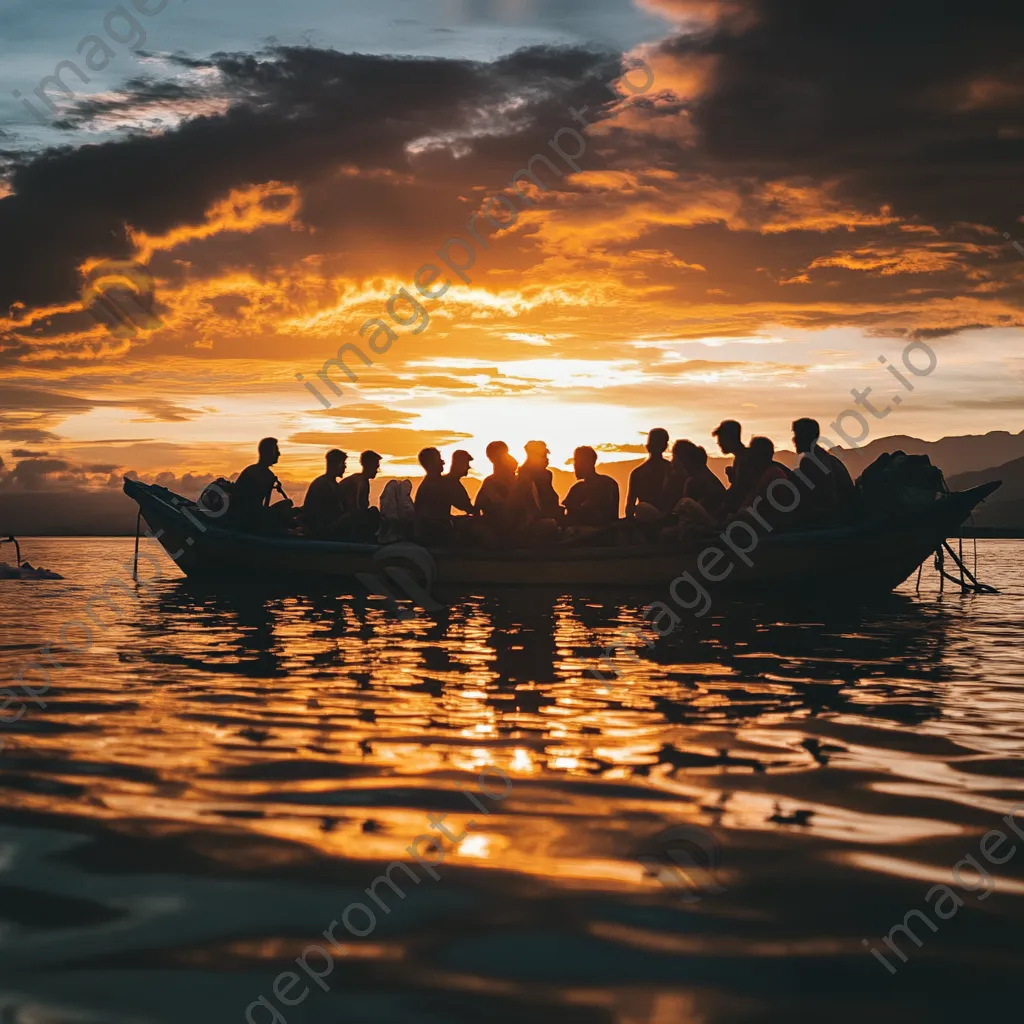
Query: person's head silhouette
column 537, row 454
column 336, row 462
column 657, row 441
column 370, row 463
column 762, row 451
column 460, row 463
column 728, row 433
column 431, row 461
column 584, row 462
column 805, row 433
column 269, row 452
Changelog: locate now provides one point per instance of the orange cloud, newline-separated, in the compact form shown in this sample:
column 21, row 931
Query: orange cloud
column 931, row 258
column 244, row 210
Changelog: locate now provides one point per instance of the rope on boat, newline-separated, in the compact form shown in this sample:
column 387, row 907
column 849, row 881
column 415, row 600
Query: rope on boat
column 138, row 530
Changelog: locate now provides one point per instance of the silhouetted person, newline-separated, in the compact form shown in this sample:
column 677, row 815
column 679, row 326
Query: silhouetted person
column 494, row 499
column 536, row 497
column 647, row 481
column 702, row 486
column 322, row 511
column 250, row 507
column 458, row 471
column 594, row 501
column 495, row 492
column 825, row 483
column 675, row 482
column 355, row 489
column 433, row 501
column 764, row 471
column 355, row 498
column 741, row 477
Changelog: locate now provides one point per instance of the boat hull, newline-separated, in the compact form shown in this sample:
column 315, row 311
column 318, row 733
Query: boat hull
column 872, row 556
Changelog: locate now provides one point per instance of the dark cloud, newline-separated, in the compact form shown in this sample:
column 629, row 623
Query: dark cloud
column 928, row 333
column 915, row 105
column 159, row 410
column 43, row 400
column 138, row 96
column 817, row 165
column 10, row 430
column 18, row 396
column 294, row 115
column 32, row 474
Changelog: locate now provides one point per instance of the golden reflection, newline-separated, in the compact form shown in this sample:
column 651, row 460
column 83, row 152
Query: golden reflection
column 933, row 874
column 476, row 846
column 286, row 729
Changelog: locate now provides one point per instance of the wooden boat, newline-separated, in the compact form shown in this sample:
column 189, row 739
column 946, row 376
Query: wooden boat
column 872, row 556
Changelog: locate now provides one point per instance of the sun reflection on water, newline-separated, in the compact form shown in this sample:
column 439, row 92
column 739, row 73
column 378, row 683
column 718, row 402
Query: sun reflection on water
column 297, row 744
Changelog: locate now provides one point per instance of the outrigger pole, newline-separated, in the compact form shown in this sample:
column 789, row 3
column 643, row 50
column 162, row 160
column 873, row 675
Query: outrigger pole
column 967, row 582
column 138, row 527
column 17, row 547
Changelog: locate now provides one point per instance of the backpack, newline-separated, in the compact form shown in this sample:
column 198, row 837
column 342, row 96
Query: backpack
column 898, row 480
column 215, row 498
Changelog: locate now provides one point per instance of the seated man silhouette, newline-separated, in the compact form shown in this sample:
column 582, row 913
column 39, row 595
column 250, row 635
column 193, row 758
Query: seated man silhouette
column 322, row 511
column 494, row 499
column 679, row 474
column 250, row 508
column 354, row 492
column 825, row 483
column 535, row 510
column 458, row 471
column 433, row 501
column 740, row 475
column 495, row 492
column 701, row 485
column 464, row 526
column 764, row 471
column 646, row 498
column 592, row 505
column 535, row 481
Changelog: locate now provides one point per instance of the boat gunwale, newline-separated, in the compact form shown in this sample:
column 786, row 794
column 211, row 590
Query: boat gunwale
column 958, row 503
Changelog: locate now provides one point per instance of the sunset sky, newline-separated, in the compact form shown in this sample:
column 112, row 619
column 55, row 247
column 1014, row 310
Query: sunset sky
column 803, row 188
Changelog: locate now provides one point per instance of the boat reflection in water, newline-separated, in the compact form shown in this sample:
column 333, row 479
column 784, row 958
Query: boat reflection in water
column 210, row 790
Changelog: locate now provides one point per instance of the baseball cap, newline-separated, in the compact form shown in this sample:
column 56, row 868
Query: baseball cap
column 728, row 427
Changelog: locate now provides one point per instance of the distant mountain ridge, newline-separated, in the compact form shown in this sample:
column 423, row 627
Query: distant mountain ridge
column 1005, row 509
column 953, row 455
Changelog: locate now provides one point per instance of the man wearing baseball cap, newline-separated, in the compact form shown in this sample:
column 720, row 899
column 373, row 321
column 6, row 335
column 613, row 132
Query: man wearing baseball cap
column 458, row 470
column 536, row 497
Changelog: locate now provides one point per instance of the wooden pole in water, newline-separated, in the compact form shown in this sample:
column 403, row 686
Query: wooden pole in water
column 138, row 528
column 981, row 588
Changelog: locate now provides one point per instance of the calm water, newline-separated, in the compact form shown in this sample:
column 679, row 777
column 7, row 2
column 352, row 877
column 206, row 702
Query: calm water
column 221, row 774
